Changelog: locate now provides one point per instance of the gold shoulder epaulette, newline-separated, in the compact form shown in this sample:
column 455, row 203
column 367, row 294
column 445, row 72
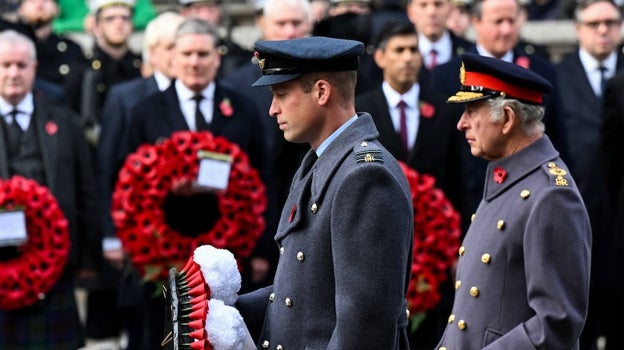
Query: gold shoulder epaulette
column 367, row 152
column 557, row 174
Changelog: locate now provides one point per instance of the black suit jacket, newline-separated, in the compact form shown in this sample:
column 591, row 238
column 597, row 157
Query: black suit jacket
column 115, row 120
column 69, row 176
column 438, row 150
column 583, row 124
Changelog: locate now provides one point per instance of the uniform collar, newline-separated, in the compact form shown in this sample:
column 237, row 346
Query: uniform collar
column 516, row 167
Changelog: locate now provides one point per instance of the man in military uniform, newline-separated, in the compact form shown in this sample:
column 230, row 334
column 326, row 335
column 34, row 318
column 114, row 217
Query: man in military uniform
column 522, row 279
column 56, row 56
column 110, row 62
column 346, row 231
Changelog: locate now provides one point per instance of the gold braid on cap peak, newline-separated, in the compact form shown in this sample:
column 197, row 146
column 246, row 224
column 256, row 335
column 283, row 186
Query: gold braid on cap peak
column 461, row 96
column 462, row 74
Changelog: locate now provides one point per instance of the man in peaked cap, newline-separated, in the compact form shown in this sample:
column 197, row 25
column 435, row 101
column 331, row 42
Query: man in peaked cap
column 522, row 280
column 346, row 231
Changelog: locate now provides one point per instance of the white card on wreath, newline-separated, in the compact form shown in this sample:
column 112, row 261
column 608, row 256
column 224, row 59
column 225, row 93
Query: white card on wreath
column 12, row 228
column 214, row 170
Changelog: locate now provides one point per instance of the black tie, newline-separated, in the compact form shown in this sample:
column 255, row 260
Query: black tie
column 15, row 132
column 603, row 79
column 200, row 121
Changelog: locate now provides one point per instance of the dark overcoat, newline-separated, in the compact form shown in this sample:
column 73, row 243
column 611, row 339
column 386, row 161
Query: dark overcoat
column 345, row 238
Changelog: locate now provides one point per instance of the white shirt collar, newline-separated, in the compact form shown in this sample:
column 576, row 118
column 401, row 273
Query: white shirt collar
column 161, row 81
column 591, row 64
column 185, row 94
column 25, row 106
column 393, row 97
column 507, row 57
column 444, row 47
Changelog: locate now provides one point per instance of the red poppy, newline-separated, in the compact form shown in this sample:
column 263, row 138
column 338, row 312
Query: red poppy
column 226, row 107
column 500, row 175
column 436, row 240
column 523, row 61
column 41, row 260
column 427, row 110
column 144, row 182
column 51, row 128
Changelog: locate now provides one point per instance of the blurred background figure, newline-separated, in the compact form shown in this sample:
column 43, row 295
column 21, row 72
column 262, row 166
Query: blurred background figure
column 57, row 56
column 458, row 21
column 582, row 76
column 75, row 16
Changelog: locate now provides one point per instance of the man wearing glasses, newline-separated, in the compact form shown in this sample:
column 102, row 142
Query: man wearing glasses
column 581, row 76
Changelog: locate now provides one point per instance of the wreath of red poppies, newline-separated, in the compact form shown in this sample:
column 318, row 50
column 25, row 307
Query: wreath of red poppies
column 144, row 181
column 40, row 262
column 436, row 239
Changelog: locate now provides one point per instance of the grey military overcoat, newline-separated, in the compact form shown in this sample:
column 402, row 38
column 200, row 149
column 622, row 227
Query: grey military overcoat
column 523, row 275
column 345, row 238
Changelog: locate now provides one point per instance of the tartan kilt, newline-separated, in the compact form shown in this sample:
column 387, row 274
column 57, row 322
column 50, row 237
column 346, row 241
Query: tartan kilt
column 49, row 324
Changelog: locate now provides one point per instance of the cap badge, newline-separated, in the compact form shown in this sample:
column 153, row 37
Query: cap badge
column 462, row 74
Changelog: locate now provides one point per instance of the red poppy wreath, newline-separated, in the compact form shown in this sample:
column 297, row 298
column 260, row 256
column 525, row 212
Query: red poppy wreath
column 150, row 173
column 39, row 263
column 436, row 240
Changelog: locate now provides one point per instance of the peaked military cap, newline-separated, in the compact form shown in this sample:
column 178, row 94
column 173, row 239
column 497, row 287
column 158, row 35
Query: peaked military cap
column 284, row 60
column 485, row 77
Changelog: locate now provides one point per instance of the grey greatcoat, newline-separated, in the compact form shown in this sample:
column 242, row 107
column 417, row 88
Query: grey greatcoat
column 523, row 272
column 345, row 238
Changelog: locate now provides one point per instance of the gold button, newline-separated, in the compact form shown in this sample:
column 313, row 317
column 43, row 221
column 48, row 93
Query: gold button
column 96, row 64
column 300, row 256
column 551, row 164
column 462, row 249
column 442, row 348
column 364, row 144
column 472, row 217
column 61, row 46
column 271, row 297
column 457, row 284
column 279, row 347
column 525, row 194
column 474, row 291
column 485, row 258
column 461, row 324
column 64, row 69
column 500, row 224
column 281, row 250
column 288, row 302
column 451, row 319
column 265, row 344
column 314, row 208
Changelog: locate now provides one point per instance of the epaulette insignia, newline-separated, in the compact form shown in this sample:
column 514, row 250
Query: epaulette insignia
column 558, row 173
column 369, row 156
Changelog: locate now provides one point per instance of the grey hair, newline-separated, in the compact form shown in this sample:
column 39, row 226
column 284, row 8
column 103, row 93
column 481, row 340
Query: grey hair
column 163, row 26
column 275, row 6
column 13, row 38
column 194, row 25
column 530, row 115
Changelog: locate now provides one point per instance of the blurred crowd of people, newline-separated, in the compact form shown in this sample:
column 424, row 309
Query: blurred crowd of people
column 121, row 99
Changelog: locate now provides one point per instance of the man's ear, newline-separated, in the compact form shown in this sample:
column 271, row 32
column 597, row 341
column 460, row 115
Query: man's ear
column 509, row 120
column 323, row 90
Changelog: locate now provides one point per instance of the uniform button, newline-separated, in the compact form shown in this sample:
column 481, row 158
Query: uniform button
column 100, row 87
column 137, row 63
column 96, row 64
column 462, row 324
column 314, row 208
column 457, row 284
column 474, row 291
column 364, row 144
column 525, row 194
column 442, row 348
column 552, row 165
column 462, row 249
column 451, row 318
column 485, row 258
column 61, row 46
column 279, row 347
column 64, row 69
column 265, row 344
column 472, row 217
column 500, row 224
column 271, row 297
column 281, row 250
column 288, row 302
column 300, row 256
